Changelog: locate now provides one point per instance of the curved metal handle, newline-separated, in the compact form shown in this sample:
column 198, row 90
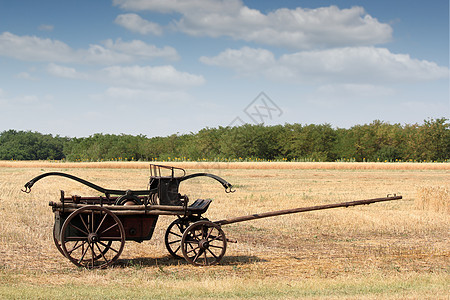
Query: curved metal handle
column 30, row 184
column 228, row 186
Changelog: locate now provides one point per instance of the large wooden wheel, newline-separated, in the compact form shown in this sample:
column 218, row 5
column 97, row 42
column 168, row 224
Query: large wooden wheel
column 203, row 243
column 58, row 244
column 92, row 237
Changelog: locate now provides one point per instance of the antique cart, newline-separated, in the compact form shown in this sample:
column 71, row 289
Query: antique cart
column 91, row 231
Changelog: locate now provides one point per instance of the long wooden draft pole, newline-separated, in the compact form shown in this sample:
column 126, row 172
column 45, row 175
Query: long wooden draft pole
column 303, row 209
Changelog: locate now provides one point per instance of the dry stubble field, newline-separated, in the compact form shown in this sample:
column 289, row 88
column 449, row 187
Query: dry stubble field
column 398, row 249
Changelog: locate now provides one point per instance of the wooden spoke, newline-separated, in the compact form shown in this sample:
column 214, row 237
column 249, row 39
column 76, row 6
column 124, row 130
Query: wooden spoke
column 108, row 246
column 196, row 257
column 84, row 223
column 109, row 228
column 176, row 241
column 92, row 251
column 75, row 247
column 176, row 234
column 193, row 249
column 212, row 253
column 92, row 221
column 101, row 223
column 101, row 253
column 76, row 238
column 83, row 253
column 79, row 229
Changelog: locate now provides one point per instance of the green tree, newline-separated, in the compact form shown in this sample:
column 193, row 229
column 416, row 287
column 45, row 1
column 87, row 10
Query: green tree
column 433, row 140
column 27, row 145
column 315, row 142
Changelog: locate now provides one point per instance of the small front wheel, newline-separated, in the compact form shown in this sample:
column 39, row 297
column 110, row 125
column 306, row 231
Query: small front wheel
column 173, row 236
column 203, row 243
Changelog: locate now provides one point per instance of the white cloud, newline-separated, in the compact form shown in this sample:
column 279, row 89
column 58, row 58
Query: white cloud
column 26, row 76
column 122, row 94
column 293, row 28
column 27, row 99
column 46, row 27
column 341, row 65
column 3, row 99
column 65, row 72
column 180, row 6
column 438, row 109
column 144, row 77
column 97, row 54
column 362, row 64
column 343, row 91
column 32, row 48
column 245, row 61
column 135, row 23
column 18, row 101
column 347, row 94
column 140, row 49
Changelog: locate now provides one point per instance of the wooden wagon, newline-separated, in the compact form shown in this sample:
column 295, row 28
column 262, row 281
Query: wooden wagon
column 91, row 231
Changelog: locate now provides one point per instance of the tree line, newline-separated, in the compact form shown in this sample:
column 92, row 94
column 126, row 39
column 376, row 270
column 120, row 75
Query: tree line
column 377, row 141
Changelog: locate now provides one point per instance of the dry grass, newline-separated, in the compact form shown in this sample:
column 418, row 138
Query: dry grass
column 384, row 250
column 435, row 198
column 232, row 165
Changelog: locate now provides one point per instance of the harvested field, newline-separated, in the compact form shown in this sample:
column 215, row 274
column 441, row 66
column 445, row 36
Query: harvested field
column 433, row 198
column 232, row 165
column 398, row 249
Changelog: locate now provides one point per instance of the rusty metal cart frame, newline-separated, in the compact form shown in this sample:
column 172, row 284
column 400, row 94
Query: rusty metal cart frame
column 91, row 231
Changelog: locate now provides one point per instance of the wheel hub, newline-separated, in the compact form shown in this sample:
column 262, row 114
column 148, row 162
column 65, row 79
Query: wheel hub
column 203, row 244
column 93, row 237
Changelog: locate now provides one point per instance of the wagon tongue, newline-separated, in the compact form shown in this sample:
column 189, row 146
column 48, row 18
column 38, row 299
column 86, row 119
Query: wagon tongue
column 304, row 209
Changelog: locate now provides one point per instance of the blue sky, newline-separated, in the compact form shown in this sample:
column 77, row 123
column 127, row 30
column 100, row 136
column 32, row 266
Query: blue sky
column 75, row 68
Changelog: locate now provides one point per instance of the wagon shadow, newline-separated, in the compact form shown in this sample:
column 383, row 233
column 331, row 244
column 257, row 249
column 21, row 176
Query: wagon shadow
column 170, row 261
